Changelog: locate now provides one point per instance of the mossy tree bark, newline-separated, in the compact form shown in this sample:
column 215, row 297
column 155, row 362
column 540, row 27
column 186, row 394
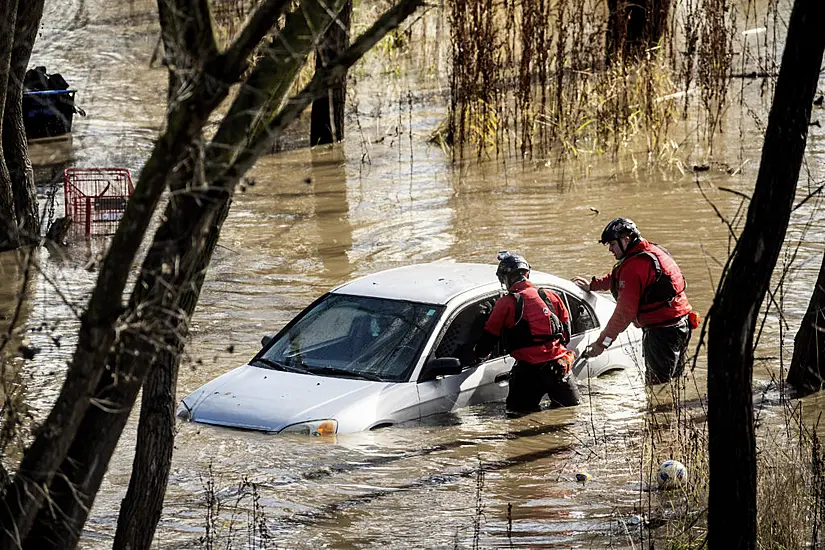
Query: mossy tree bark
column 735, row 310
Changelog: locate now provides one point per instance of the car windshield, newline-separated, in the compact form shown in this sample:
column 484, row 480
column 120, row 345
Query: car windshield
column 354, row 337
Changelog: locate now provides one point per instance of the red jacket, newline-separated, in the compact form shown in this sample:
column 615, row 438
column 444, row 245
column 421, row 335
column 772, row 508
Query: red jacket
column 536, row 314
column 630, row 278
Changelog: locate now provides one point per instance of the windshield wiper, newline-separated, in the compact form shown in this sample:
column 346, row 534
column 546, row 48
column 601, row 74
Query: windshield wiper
column 346, row 373
column 270, row 364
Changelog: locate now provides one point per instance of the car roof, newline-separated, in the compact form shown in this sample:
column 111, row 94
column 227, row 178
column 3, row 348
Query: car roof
column 436, row 283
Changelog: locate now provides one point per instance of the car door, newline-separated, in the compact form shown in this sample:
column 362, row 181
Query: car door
column 478, row 382
column 584, row 329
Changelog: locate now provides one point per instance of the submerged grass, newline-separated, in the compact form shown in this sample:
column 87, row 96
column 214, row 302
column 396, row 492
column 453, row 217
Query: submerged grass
column 534, row 77
column 790, row 483
column 235, row 517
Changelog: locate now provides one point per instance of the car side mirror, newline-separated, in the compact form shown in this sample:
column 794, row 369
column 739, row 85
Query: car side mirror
column 443, row 366
column 266, row 339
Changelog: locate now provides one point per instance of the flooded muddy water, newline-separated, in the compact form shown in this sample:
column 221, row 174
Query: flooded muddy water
column 387, row 198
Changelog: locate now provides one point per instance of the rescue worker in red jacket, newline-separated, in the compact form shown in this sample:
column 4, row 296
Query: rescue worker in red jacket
column 532, row 325
column 650, row 291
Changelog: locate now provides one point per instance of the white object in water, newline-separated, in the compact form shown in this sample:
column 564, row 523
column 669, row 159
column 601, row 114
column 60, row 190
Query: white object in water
column 671, row 473
column 756, row 30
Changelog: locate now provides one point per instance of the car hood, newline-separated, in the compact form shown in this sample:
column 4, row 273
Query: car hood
column 257, row 398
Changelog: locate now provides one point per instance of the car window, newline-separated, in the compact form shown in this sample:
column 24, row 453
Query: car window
column 463, row 331
column 582, row 317
column 356, row 336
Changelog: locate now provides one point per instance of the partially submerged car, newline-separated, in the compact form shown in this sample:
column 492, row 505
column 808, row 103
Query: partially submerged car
column 391, row 347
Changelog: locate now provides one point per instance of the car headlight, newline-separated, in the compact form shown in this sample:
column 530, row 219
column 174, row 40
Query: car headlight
column 184, row 412
column 315, row 427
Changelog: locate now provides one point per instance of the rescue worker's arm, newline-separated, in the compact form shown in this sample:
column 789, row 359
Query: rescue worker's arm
column 600, row 283
column 493, row 327
column 594, row 284
column 631, row 283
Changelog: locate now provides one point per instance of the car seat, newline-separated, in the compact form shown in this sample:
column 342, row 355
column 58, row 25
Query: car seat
column 463, row 333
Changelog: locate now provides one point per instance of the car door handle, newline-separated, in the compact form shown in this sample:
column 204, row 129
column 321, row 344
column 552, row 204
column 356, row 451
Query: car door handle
column 502, row 377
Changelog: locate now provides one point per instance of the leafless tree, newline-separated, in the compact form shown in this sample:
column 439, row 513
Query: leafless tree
column 634, row 26
column 120, row 346
column 19, row 220
column 807, row 370
column 735, row 310
column 327, row 124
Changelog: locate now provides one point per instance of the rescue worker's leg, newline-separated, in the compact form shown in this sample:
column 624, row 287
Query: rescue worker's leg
column 665, row 351
column 560, row 383
column 526, row 390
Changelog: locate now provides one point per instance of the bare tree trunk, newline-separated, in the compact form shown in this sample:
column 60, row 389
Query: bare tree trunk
column 735, row 310
column 634, row 26
column 153, row 340
column 15, row 145
column 807, row 371
column 335, row 42
column 181, row 240
column 141, row 508
column 8, row 218
column 207, row 88
column 97, row 332
column 184, row 44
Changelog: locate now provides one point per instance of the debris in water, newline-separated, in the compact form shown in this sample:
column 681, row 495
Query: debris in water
column 756, row 30
column 633, row 521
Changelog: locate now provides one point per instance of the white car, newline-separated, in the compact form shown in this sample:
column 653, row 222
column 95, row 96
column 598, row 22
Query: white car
column 391, row 347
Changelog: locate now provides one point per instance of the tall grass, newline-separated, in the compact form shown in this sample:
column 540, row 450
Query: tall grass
column 531, row 77
column 790, row 482
column 234, row 515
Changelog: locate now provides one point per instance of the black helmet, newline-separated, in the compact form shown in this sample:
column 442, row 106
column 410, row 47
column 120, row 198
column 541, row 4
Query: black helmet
column 510, row 264
column 619, row 228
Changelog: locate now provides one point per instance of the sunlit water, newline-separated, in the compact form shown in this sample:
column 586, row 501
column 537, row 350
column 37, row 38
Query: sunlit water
column 387, row 198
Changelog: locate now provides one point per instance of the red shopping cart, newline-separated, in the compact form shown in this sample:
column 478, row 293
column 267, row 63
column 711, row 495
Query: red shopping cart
column 96, row 198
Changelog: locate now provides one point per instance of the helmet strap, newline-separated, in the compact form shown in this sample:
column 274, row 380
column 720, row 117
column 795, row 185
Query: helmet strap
column 632, row 242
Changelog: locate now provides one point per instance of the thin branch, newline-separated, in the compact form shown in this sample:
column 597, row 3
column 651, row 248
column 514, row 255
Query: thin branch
column 322, row 78
column 735, row 192
column 716, row 210
column 253, row 32
column 811, row 195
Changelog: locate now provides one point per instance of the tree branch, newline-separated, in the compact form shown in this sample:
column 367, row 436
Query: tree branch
column 323, row 77
column 185, row 121
column 261, row 22
column 265, row 88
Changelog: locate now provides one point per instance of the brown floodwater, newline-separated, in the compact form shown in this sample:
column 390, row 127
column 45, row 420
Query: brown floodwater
column 387, row 198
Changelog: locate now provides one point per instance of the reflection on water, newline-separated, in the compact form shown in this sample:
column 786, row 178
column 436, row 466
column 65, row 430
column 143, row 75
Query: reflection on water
column 314, row 219
column 329, row 178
